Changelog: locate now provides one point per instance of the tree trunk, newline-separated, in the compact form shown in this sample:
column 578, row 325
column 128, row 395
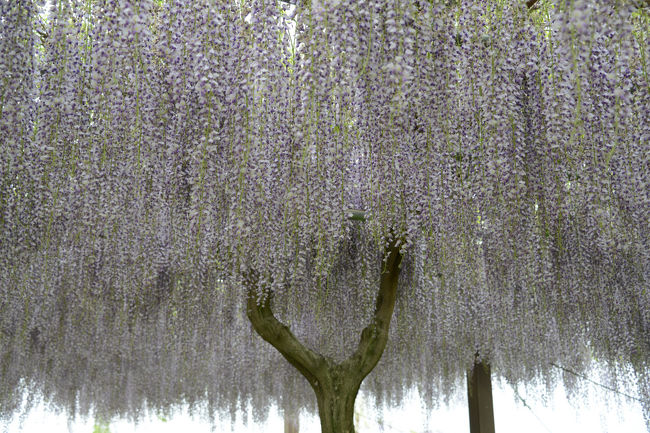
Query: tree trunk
column 336, row 412
column 335, row 384
column 336, row 398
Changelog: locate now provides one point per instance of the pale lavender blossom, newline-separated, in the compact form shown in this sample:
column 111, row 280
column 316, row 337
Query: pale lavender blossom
column 155, row 153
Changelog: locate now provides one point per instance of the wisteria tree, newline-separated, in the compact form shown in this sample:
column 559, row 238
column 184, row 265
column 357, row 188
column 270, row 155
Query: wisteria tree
column 437, row 182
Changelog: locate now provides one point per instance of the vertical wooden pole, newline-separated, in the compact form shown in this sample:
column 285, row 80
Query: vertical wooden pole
column 291, row 422
column 479, row 399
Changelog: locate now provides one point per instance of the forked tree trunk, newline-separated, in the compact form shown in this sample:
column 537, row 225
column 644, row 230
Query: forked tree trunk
column 336, row 400
column 335, row 384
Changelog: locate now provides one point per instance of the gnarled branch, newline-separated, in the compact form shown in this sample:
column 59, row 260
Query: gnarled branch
column 315, row 367
column 375, row 336
column 309, row 363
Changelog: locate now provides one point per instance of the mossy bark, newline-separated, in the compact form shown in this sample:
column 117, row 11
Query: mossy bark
column 335, row 384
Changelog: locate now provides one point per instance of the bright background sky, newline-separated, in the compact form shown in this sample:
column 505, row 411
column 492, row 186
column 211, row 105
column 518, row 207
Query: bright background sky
column 600, row 412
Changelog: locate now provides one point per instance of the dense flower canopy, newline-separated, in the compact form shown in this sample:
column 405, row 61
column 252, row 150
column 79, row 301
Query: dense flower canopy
column 154, row 151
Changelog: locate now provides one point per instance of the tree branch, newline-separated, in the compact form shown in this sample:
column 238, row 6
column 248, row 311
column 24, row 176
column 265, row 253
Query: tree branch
column 309, row 363
column 316, row 368
column 356, row 214
column 530, row 3
column 375, row 336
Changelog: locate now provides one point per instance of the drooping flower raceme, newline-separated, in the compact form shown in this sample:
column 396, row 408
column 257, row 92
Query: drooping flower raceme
column 154, row 152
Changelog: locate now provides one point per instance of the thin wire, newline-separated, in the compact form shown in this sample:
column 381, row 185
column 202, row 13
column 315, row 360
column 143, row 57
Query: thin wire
column 531, row 410
column 582, row 376
column 608, row 388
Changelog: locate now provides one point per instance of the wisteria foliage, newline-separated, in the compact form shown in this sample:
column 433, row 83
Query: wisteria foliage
column 154, row 151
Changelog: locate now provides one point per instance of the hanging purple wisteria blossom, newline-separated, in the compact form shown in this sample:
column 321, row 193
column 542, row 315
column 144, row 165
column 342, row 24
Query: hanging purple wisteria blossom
column 406, row 180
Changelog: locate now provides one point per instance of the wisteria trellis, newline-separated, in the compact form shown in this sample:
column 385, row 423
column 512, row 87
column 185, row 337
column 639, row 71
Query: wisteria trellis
column 156, row 153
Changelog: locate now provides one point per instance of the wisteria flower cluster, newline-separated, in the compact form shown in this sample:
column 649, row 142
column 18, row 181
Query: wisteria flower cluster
column 155, row 153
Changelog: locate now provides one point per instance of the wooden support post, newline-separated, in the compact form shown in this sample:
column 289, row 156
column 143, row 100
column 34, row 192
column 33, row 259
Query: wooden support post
column 291, row 422
column 479, row 399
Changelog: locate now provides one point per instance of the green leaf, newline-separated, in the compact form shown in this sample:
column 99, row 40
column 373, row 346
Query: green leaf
column 101, row 427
